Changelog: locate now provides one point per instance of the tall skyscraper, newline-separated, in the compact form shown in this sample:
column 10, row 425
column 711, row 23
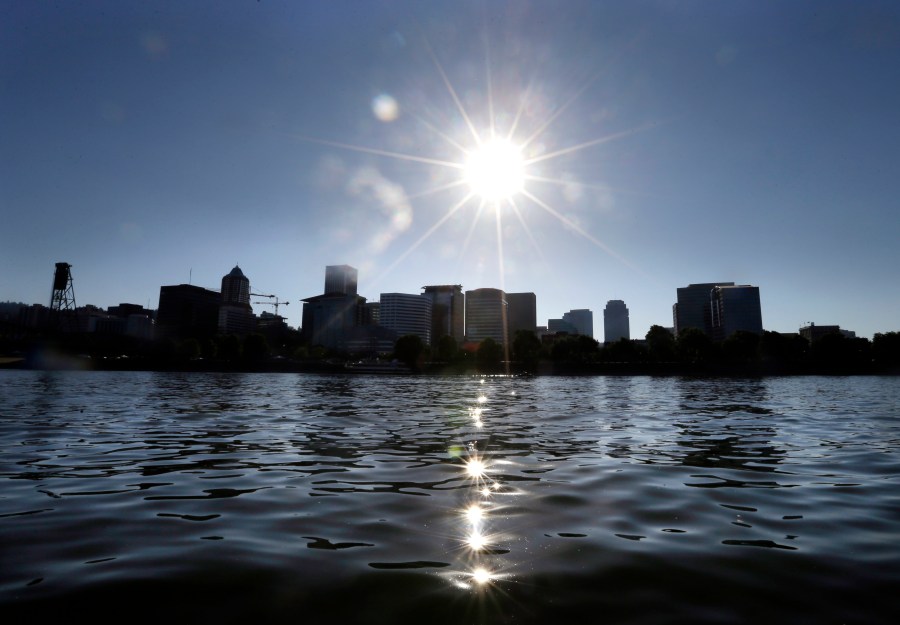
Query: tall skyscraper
column 448, row 305
column 735, row 308
column 405, row 313
column 235, row 314
column 486, row 312
column 615, row 321
column 340, row 279
column 521, row 313
column 692, row 310
column 582, row 319
column 330, row 319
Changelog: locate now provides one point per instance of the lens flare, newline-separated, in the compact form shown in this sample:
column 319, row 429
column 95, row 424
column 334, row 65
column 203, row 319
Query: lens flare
column 481, row 575
column 474, row 513
column 476, row 541
column 475, row 468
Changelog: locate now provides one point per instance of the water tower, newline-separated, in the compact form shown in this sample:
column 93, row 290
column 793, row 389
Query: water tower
column 62, row 301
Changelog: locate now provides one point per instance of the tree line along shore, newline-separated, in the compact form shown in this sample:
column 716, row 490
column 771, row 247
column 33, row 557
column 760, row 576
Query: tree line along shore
column 660, row 353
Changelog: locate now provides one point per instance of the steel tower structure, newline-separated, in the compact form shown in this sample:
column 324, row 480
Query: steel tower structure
column 62, row 300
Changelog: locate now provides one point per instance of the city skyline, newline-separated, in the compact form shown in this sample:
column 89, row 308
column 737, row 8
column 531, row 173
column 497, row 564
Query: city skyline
column 666, row 145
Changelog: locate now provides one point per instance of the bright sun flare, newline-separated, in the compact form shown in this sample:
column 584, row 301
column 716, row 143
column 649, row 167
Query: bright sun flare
column 495, row 171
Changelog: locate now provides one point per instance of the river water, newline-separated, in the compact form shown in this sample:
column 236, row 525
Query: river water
column 285, row 498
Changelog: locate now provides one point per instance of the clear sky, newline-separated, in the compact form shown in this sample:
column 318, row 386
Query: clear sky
column 664, row 143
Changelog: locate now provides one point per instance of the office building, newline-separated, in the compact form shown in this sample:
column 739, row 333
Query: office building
column 406, row 313
column 521, row 313
column 186, row 310
column 330, row 318
column 733, row 309
column 561, row 326
column 235, row 313
column 448, row 307
column 486, row 312
column 582, row 319
column 340, row 279
column 615, row 321
column 692, row 309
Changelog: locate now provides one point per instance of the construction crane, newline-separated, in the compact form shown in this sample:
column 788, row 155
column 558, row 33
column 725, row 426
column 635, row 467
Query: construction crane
column 276, row 303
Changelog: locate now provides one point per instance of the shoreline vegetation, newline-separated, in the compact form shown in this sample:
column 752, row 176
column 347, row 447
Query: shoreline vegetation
column 691, row 353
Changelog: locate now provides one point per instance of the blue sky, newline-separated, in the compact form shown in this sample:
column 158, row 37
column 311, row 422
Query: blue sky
column 153, row 143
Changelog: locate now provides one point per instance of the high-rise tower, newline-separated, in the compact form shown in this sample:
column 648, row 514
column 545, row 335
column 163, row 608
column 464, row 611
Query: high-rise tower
column 235, row 314
column 615, row 321
column 340, row 279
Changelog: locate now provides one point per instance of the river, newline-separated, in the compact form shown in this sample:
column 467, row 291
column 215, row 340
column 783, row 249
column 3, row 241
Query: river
column 285, row 498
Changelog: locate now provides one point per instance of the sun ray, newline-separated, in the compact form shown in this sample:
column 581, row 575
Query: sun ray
column 423, row 238
column 449, row 85
column 487, row 71
column 587, row 144
column 527, row 229
column 553, row 117
column 471, row 231
column 378, row 152
column 565, row 220
column 435, row 190
column 439, row 132
column 599, row 187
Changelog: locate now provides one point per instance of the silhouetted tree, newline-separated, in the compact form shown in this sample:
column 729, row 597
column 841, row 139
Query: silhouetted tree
column 229, row 347
column 660, row 344
column 623, row 350
column 694, row 347
column 446, row 349
column 489, row 355
column 256, row 347
column 189, row 349
column 577, row 349
column 527, row 349
column 741, row 347
column 409, row 350
column 886, row 349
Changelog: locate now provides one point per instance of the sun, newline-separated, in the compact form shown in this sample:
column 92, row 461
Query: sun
column 495, row 171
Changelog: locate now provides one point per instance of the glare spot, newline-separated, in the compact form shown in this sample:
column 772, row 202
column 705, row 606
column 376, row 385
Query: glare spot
column 495, row 171
column 385, row 108
column 475, row 468
column 474, row 513
column 481, row 575
column 482, row 399
column 479, row 424
column 476, row 541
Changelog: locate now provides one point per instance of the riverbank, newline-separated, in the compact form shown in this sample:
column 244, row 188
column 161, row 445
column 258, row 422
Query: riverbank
column 59, row 362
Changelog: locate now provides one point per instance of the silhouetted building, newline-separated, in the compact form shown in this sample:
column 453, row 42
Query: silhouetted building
column 329, row 318
column 235, row 313
column 521, row 313
column 126, row 310
column 692, row 309
column 561, row 326
column 486, row 311
column 813, row 333
column 340, row 279
column 186, row 310
column 582, row 319
column 615, row 321
column 448, row 309
column 735, row 308
column 406, row 313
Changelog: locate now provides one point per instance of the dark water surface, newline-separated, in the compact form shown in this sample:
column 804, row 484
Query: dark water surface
column 287, row 498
